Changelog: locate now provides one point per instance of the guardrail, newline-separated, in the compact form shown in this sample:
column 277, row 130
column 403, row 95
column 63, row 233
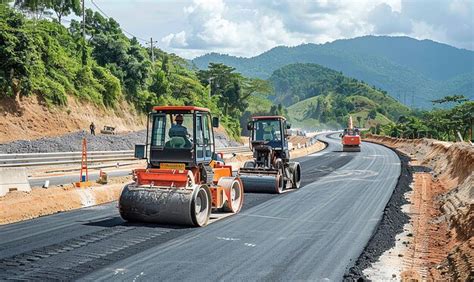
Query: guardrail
column 57, row 158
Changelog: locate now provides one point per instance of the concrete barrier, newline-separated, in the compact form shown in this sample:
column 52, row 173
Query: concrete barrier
column 12, row 179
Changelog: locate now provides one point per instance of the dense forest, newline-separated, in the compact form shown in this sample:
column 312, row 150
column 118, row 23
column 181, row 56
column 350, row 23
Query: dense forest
column 42, row 57
column 414, row 72
column 452, row 122
column 317, row 96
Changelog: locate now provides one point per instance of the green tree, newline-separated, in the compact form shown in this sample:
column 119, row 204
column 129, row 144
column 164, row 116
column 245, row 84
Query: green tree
column 372, row 114
column 37, row 8
column 15, row 52
column 451, row 99
column 254, row 86
column 359, row 120
column 225, row 84
column 165, row 65
column 64, row 7
column 160, row 85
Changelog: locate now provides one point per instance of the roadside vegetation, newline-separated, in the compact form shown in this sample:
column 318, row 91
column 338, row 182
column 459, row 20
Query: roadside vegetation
column 42, row 57
column 453, row 121
column 104, row 67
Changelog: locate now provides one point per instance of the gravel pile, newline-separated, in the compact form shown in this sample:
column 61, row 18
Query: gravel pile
column 72, row 142
column 223, row 141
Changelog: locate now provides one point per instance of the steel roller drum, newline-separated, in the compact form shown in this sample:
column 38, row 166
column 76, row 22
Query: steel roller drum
column 260, row 183
column 188, row 206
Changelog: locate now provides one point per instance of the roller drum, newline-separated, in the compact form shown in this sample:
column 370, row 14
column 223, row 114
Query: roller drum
column 166, row 206
column 295, row 170
column 234, row 191
column 262, row 183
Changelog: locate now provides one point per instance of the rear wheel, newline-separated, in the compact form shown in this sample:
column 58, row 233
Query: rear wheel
column 280, row 183
column 201, row 206
column 234, row 192
column 280, row 180
column 296, row 176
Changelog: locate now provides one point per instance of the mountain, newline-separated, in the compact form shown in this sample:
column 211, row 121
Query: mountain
column 318, row 97
column 412, row 71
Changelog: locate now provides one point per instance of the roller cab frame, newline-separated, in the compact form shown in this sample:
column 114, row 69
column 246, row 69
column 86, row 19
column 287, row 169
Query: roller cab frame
column 182, row 182
column 270, row 171
column 351, row 140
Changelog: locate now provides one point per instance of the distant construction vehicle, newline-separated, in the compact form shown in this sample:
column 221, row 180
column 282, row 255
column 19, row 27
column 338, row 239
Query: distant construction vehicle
column 108, row 130
column 351, row 138
column 182, row 183
column 270, row 171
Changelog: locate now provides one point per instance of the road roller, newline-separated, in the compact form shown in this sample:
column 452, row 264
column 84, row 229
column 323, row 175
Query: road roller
column 182, row 183
column 270, row 170
column 351, row 138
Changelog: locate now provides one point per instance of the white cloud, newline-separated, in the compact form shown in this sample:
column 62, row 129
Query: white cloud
column 451, row 22
column 177, row 40
column 249, row 27
column 213, row 26
column 387, row 21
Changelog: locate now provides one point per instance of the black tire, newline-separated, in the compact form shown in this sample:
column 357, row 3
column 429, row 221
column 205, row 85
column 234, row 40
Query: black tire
column 296, row 176
column 201, row 206
column 280, row 181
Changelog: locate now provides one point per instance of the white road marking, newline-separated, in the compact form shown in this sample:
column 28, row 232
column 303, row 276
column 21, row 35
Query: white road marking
column 227, row 239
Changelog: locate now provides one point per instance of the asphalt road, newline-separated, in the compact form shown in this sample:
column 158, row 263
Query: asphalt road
column 313, row 233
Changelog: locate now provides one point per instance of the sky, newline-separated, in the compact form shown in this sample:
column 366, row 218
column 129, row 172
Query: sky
column 249, row 27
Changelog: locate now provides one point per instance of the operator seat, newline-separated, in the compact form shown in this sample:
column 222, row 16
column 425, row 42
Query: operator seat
column 176, row 142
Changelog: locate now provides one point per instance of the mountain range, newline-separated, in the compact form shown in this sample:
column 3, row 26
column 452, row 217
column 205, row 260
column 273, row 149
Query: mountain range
column 412, row 71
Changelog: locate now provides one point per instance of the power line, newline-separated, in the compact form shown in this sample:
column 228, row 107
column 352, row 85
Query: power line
column 123, row 29
column 98, row 8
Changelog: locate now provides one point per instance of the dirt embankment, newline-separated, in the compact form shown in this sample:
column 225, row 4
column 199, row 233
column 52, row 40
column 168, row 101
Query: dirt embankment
column 31, row 118
column 441, row 209
column 18, row 206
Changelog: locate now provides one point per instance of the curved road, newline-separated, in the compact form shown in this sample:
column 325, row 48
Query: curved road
column 313, row 233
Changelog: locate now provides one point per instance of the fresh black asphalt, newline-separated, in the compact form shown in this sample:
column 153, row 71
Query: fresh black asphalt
column 313, row 233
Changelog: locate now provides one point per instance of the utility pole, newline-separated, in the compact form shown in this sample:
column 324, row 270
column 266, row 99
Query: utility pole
column 210, row 86
column 83, row 21
column 152, row 49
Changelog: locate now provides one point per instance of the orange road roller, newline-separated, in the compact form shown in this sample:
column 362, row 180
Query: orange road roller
column 182, row 183
column 351, row 138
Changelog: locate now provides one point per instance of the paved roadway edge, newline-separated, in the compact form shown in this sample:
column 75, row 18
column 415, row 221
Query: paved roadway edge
column 391, row 224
